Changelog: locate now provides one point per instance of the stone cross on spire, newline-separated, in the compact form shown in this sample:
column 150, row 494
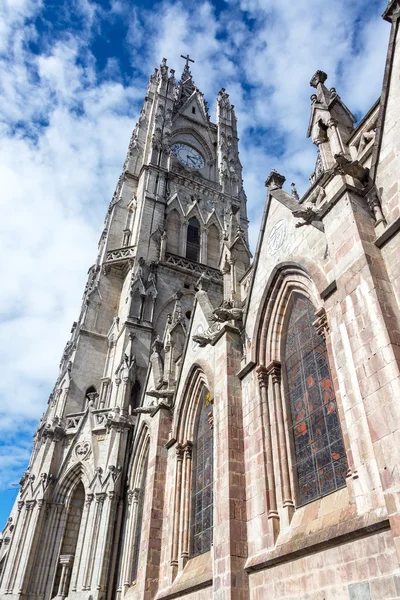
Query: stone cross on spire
column 188, row 60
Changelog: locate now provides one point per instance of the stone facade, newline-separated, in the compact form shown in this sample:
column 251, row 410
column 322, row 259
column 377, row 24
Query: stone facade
column 178, row 332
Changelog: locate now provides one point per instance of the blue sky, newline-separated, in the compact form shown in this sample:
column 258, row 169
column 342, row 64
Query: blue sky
column 73, row 75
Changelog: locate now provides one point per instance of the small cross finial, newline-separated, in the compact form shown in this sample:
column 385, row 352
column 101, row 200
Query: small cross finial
column 188, row 60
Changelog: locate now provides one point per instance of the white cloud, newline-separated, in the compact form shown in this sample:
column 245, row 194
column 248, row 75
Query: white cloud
column 64, row 134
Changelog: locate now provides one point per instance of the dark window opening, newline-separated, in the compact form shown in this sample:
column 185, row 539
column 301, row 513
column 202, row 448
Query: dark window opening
column 135, row 396
column 193, row 240
column 193, row 110
column 319, row 463
column 91, row 397
column 188, row 314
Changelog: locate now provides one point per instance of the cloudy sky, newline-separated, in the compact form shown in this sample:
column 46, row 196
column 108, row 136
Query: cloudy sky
column 73, row 74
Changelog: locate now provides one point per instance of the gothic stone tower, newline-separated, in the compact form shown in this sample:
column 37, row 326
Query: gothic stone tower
column 178, row 212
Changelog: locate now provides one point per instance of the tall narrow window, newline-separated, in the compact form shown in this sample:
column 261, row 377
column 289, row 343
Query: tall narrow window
column 202, row 488
column 319, row 456
column 135, row 396
column 193, row 240
column 139, row 519
column 213, row 247
column 173, row 232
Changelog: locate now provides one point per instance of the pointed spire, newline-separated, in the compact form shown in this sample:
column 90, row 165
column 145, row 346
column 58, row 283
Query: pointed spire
column 186, row 85
column 177, row 314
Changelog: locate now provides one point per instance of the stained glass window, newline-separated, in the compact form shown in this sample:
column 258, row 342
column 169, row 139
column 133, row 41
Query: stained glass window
column 202, row 487
column 319, row 456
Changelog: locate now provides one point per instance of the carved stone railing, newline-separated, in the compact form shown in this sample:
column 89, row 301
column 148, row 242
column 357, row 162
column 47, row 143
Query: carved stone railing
column 193, row 267
column 120, row 255
column 100, row 417
column 73, row 420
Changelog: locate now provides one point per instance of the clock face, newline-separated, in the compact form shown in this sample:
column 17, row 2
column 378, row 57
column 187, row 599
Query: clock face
column 188, row 156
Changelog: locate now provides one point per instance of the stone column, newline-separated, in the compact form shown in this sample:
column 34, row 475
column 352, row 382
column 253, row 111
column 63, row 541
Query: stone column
column 82, row 538
column 203, row 245
column 177, row 505
column 150, row 542
column 126, row 570
column 183, row 238
column 51, row 546
column 37, row 509
column 336, row 143
column 187, row 497
column 230, row 581
column 105, row 541
column 273, row 516
column 274, row 370
column 66, row 562
column 93, row 537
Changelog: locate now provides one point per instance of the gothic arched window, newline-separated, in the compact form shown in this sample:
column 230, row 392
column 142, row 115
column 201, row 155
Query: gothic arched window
column 319, row 459
column 202, row 488
column 193, row 240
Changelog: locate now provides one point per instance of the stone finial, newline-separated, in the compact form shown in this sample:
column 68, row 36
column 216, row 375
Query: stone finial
column 275, row 180
column 392, row 11
column 203, row 283
column 318, row 77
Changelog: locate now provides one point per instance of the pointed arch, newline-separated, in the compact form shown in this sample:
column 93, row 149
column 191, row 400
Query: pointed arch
column 283, row 281
column 193, row 490
column 173, row 232
column 318, row 453
column 298, row 390
column 67, row 483
column 201, row 140
column 66, row 535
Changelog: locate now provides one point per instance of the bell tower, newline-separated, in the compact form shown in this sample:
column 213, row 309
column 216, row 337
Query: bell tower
column 177, row 214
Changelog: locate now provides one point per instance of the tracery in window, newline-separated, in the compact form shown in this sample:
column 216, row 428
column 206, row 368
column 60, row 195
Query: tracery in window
column 319, row 463
column 202, row 488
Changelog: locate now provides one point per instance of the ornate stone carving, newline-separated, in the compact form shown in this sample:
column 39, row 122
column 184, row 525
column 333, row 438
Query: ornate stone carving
column 321, row 322
column 193, row 267
column 118, row 421
column 206, row 337
column 120, row 255
column 375, row 207
column 344, row 166
column 54, row 430
column 82, row 450
column 73, row 420
column 227, row 311
column 308, row 214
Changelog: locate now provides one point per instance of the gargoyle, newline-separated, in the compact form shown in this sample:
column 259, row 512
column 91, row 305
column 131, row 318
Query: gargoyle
column 308, row 214
column 227, row 312
column 344, row 166
column 202, row 339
